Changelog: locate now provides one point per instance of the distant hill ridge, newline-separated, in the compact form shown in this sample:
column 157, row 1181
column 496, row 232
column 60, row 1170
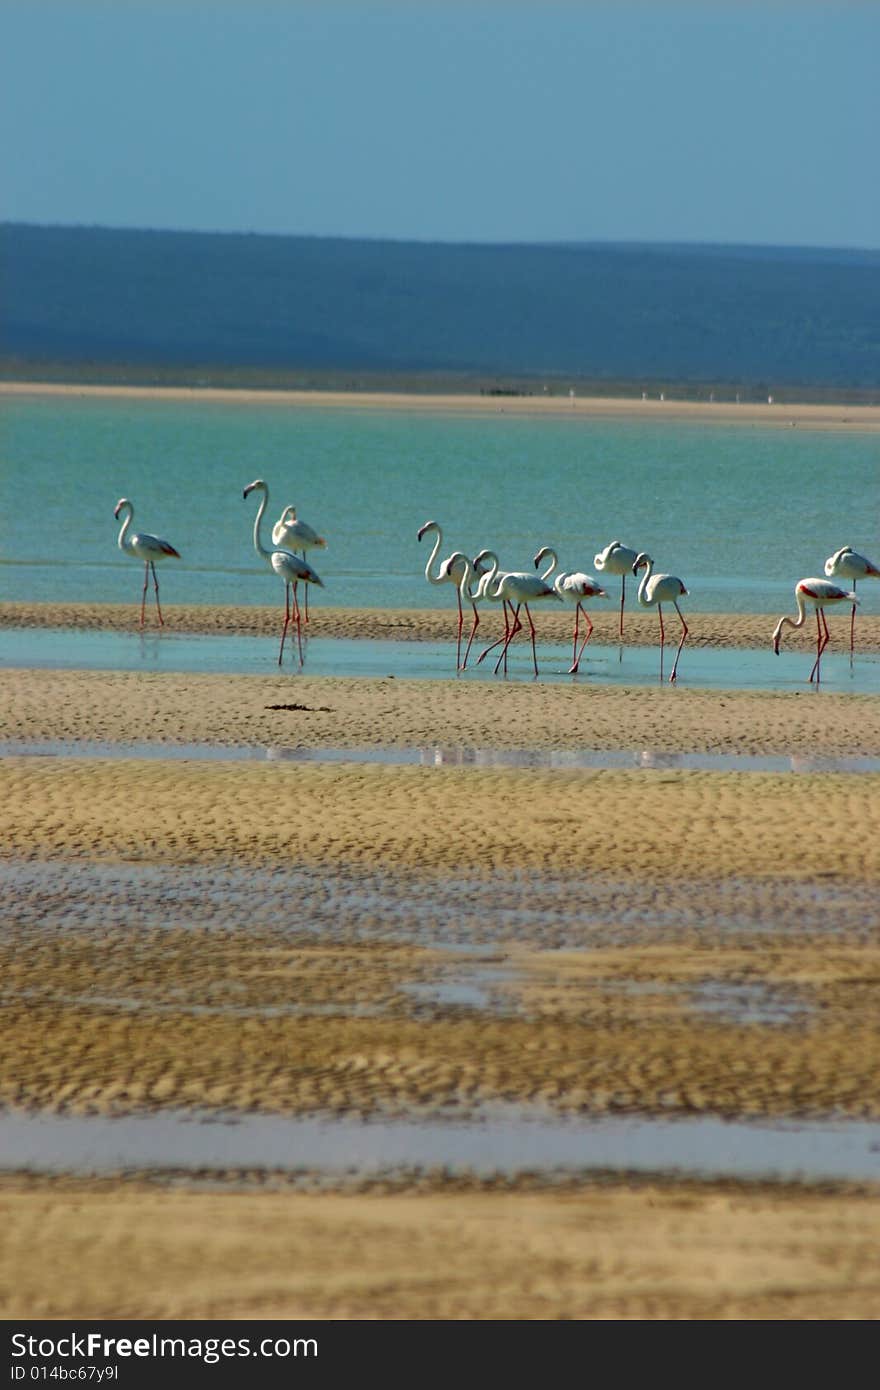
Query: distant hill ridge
column 603, row 312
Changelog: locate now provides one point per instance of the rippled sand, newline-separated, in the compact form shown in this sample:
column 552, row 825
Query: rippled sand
column 276, row 937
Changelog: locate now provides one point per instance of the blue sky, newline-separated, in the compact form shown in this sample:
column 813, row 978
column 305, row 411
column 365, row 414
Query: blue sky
column 464, row 120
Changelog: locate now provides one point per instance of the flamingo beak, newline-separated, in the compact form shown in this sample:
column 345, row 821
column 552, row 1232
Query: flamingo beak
column 776, row 645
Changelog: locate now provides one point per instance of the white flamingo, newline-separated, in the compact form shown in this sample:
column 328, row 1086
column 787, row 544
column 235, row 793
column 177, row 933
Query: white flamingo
column 140, row 545
column 660, row 589
column 514, row 590
column 289, row 533
column 286, row 565
column 819, row 593
column 574, row 587
column 847, row 563
column 451, row 571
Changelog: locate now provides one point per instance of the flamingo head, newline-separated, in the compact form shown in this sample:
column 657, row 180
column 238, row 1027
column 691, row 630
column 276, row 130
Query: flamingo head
column 257, row 483
column 123, row 502
column 544, row 551
column 428, row 526
column 641, row 561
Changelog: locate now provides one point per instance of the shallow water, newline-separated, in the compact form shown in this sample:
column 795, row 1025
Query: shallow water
column 706, row 500
column 699, row 668
column 533, row 758
column 505, row 1140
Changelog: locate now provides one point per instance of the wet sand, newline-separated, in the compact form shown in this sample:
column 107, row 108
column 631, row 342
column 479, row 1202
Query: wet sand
column 642, row 889
column 735, row 630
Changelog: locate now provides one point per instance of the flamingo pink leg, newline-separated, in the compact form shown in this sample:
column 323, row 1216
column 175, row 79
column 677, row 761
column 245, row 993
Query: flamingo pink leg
column 299, row 640
column 577, row 661
column 493, row 645
column 622, row 597
column 510, row 630
column 517, row 627
column 471, row 638
column 852, row 625
column 532, row 626
column 286, row 621
column 821, row 642
column 156, row 587
column 147, row 567
column 460, row 626
column 684, row 633
column 662, row 636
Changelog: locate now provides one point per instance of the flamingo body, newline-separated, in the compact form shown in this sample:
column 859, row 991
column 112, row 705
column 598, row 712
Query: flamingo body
column 847, row 563
column 140, row 545
column 818, row 594
column 289, row 533
column 659, row 589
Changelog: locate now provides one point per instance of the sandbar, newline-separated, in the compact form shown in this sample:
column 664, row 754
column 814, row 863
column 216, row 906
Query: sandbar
column 265, row 936
column 775, row 413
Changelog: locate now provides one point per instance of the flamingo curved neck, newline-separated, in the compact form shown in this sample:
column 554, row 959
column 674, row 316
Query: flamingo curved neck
column 786, row 621
column 434, row 578
column 264, row 502
column 486, row 580
column 643, row 586
column 549, row 553
column 123, row 542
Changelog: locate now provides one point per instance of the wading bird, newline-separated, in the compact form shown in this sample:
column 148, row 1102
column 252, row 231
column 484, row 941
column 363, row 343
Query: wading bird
column 514, row 590
column 847, row 563
column 451, row 571
column 142, row 546
column 289, row 533
column 617, row 559
column 660, row 589
column 286, row 565
column 818, row 593
column 574, row 588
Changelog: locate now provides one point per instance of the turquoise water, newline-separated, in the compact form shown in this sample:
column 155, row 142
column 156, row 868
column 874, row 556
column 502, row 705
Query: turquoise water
column 739, row 513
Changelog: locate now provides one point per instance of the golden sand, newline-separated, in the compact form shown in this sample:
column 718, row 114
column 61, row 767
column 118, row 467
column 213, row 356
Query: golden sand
column 752, row 883
column 781, row 413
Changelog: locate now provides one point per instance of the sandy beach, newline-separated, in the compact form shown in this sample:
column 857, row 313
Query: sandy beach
column 776, row 412
column 322, row 909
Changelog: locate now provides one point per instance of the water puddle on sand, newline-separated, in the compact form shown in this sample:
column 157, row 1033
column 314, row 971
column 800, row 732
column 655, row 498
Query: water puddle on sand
column 466, row 913
column 535, row 759
column 717, row 668
column 504, row 1140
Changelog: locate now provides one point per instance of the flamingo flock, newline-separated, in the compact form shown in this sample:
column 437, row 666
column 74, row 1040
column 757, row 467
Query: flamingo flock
column 516, row 590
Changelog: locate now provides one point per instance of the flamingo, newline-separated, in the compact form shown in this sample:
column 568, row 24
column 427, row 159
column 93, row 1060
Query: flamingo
column 819, row 593
column 286, row 565
column 289, row 533
column 660, row 589
column 617, row 559
column 515, row 589
column 847, row 563
column 451, row 571
column 142, row 546
column 572, row 588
